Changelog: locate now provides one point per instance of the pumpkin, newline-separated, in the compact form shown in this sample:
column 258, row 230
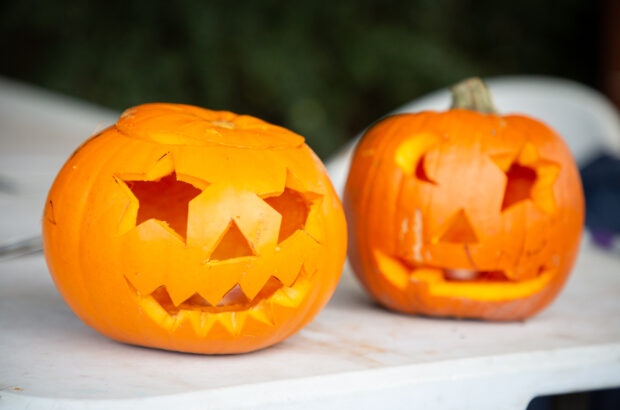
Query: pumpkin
column 194, row 230
column 464, row 213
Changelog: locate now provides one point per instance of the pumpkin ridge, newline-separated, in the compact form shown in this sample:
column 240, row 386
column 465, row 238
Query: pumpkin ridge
column 81, row 254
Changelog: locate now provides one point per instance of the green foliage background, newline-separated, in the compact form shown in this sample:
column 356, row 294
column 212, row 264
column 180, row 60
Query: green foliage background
column 322, row 68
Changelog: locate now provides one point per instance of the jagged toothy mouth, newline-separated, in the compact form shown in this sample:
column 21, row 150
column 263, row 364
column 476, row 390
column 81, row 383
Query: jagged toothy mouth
column 234, row 300
column 232, row 312
column 481, row 285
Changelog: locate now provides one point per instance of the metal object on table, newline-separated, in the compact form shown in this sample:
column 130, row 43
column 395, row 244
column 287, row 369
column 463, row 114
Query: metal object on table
column 21, row 248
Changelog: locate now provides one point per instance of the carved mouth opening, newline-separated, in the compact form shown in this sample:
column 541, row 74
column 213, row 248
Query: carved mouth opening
column 234, row 312
column 234, row 300
column 455, row 275
column 493, row 285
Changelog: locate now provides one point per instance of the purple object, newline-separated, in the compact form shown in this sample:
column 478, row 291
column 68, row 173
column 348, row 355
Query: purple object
column 601, row 186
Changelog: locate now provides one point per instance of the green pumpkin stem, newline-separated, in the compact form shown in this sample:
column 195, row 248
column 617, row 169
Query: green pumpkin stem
column 472, row 94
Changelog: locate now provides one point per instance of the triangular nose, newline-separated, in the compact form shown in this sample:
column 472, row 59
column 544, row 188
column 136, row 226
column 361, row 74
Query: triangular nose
column 232, row 245
column 459, row 230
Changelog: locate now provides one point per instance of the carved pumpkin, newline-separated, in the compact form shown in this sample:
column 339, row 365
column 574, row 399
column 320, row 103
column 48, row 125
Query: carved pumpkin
column 463, row 213
column 194, row 230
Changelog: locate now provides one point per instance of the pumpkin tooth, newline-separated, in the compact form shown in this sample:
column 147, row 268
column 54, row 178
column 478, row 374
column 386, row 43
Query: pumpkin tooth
column 186, row 316
column 301, row 289
column 302, row 275
column 283, row 298
column 191, row 316
column 142, row 284
column 220, row 278
column 238, row 319
column 292, row 296
column 220, row 328
column 214, row 295
column 227, row 322
column 155, row 311
column 257, row 321
column 183, row 287
column 179, row 294
column 392, row 270
column 254, row 283
column 427, row 275
column 281, row 308
column 261, row 314
column 289, row 274
column 203, row 327
column 297, row 247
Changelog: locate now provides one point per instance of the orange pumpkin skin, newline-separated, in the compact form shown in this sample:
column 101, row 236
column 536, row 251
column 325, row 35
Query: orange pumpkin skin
column 200, row 231
column 463, row 214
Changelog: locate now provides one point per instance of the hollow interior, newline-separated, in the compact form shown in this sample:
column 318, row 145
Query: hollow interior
column 519, row 183
column 232, row 245
column 162, row 297
column 460, row 275
column 420, row 171
column 166, row 199
column 294, row 209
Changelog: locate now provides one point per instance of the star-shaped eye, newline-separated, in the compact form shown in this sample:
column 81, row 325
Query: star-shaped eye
column 294, row 206
column 166, row 199
column 528, row 177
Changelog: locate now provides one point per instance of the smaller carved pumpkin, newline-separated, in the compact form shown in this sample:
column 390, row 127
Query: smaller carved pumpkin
column 194, row 230
column 463, row 213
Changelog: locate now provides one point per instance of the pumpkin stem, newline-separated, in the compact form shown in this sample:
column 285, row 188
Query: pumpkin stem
column 472, row 94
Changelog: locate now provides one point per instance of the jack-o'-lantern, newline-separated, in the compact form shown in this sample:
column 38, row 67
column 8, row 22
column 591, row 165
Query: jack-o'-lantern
column 194, row 230
column 463, row 213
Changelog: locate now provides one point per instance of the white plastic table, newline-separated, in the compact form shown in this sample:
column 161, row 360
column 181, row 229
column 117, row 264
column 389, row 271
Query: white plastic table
column 354, row 355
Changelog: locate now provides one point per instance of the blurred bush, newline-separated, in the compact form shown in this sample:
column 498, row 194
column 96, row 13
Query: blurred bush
column 325, row 69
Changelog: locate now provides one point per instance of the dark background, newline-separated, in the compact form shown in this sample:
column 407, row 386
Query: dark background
column 325, row 69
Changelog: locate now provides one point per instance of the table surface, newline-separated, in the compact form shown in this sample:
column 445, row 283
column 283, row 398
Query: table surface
column 354, row 354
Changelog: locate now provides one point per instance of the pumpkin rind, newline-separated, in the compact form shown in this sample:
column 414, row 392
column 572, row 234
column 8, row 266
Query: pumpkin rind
column 463, row 214
column 229, row 282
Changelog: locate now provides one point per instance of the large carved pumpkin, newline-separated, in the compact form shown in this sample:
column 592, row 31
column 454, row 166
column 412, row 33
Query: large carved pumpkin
column 194, row 230
column 463, row 213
